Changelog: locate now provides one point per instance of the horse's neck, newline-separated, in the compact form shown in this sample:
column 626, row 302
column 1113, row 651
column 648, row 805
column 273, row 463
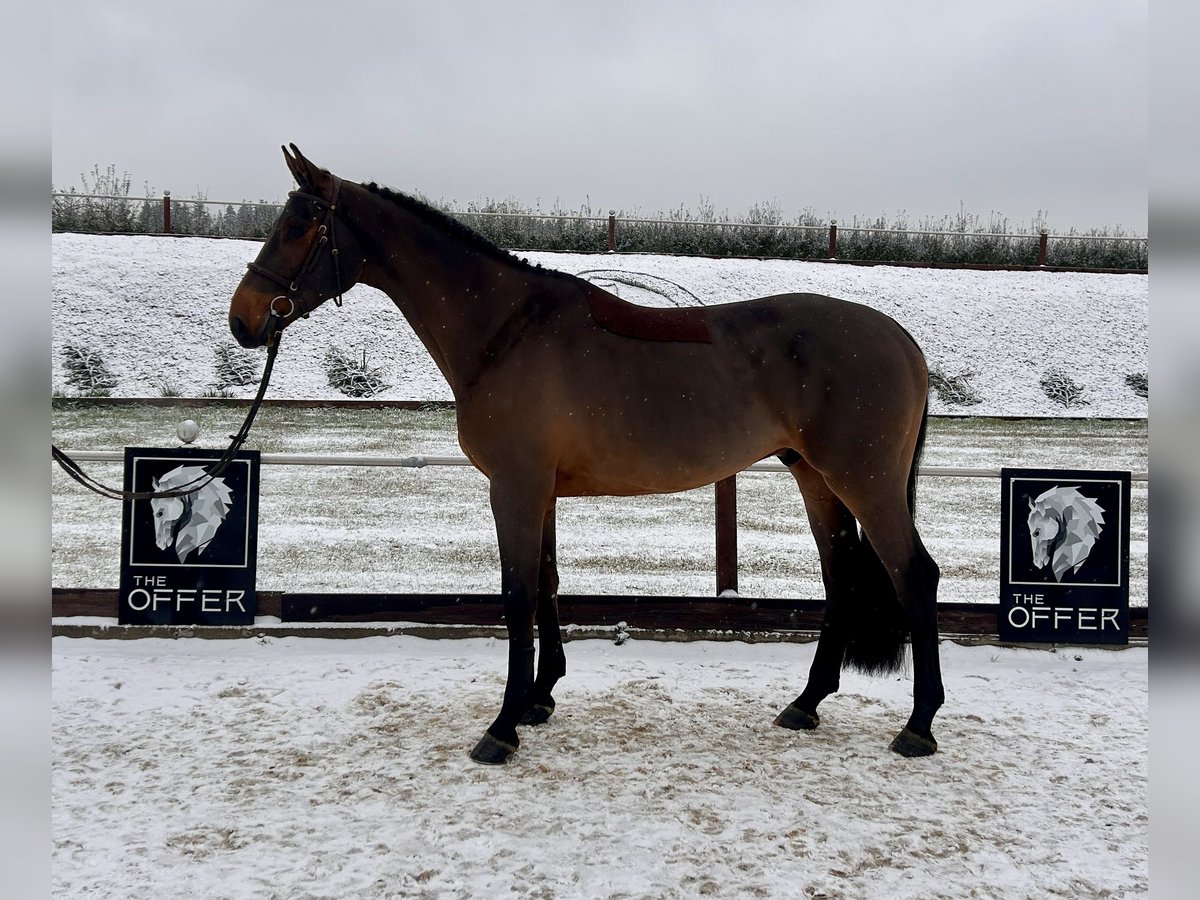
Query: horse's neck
column 455, row 297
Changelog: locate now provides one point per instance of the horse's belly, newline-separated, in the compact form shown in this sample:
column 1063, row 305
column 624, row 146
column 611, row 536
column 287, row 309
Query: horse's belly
column 591, row 483
column 656, row 466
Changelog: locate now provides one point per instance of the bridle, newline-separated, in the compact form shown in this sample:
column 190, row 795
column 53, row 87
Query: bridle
column 276, row 321
column 325, row 235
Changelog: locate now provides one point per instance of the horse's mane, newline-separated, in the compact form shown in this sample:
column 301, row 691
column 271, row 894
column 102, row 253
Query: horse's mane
column 456, row 229
column 607, row 310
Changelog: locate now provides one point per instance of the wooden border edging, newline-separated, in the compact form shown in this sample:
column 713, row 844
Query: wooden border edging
column 464, row 615
column 267, row 632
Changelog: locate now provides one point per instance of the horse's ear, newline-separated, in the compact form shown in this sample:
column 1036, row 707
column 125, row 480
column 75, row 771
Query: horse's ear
column 307, row 173
column 295, row 164
column 153, row 484
column 1031, row 506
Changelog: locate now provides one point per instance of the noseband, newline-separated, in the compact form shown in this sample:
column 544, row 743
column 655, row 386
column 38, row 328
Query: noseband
column 325, row 235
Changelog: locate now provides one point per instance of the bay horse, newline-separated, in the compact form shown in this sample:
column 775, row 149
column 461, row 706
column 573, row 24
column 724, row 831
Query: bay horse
column 564, row 390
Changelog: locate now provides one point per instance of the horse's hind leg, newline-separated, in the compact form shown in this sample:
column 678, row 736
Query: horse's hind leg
column 836, row 534
column 888, row 525
column 552, row 661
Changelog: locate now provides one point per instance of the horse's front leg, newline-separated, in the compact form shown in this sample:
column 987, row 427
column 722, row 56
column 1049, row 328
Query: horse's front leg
column 519, row 506
column 552, row 661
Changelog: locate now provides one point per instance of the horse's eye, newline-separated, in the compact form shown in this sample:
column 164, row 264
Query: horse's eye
column 158, row 514
column 295, row 230
column 1036, row 532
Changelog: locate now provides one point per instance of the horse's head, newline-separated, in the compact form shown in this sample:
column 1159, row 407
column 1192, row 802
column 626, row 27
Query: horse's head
column 1044, row 526
column 167, row 513
column 309, row 257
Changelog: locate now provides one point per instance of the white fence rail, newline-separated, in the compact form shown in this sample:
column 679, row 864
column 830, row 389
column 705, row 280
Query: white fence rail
column 420, row 461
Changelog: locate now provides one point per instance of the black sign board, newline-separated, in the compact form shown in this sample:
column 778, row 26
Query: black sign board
column 189, row 560
column 1064, row 556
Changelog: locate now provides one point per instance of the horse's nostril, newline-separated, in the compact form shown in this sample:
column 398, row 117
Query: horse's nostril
column 240, row 332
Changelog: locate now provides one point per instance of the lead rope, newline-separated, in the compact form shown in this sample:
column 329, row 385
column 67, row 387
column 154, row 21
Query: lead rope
column 73, row 469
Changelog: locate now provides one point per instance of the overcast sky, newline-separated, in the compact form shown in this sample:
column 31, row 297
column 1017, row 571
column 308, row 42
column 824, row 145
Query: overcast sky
column 853, row 108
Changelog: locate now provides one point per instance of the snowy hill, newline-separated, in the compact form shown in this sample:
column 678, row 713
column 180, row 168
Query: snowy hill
column 154, row 309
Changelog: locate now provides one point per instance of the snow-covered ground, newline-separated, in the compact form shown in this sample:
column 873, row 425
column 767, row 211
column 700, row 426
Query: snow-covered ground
column 155, row 308
column 305, row 768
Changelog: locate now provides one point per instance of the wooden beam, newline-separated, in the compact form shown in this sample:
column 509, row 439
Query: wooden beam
column 743, row 614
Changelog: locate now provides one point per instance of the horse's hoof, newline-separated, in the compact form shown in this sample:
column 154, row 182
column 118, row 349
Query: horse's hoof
column 909, row 743
column 492, row 751
column 537, row 714
column 797, row 719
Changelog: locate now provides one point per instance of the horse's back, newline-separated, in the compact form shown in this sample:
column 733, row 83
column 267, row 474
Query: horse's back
column 805, row 311
column 821, row 335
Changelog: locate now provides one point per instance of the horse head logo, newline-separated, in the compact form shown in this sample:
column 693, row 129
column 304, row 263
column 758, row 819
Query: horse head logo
column 1063, row 527
column 189, row 522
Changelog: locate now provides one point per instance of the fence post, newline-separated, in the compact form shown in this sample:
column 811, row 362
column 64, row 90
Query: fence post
column 726, row 516
column 1042, row 241
column 833, row 239
column 612, row 230
column 166, row 212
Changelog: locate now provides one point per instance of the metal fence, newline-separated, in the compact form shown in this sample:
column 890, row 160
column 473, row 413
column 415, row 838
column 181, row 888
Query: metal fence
column 613, row 233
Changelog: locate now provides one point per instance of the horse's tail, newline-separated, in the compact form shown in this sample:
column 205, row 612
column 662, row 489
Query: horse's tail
column 876, row 624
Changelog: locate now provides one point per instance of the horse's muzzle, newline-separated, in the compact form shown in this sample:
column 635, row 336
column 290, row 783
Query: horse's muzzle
column 243, row 335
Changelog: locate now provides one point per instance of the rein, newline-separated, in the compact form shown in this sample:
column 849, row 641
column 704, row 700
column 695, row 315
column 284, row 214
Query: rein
column 325, row 235
column 73, row 469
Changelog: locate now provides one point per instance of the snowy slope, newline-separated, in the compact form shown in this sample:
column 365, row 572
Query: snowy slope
column 155, row 309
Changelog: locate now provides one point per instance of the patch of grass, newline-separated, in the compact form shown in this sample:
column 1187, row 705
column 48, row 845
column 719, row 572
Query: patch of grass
column 954, row 390
column 371, row 529
column 1062, row 389
column 87, row 372
column 1139, row 383
column 234, row 367
column 352, row 377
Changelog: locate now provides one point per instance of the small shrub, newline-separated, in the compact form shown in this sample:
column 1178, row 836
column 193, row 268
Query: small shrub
column 234, row 367
column 351, row 376
column 218, row 393
column 87, row 373
column 954, row 390
column 1062, row 389
column 1139, row 383
column 166, row 389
